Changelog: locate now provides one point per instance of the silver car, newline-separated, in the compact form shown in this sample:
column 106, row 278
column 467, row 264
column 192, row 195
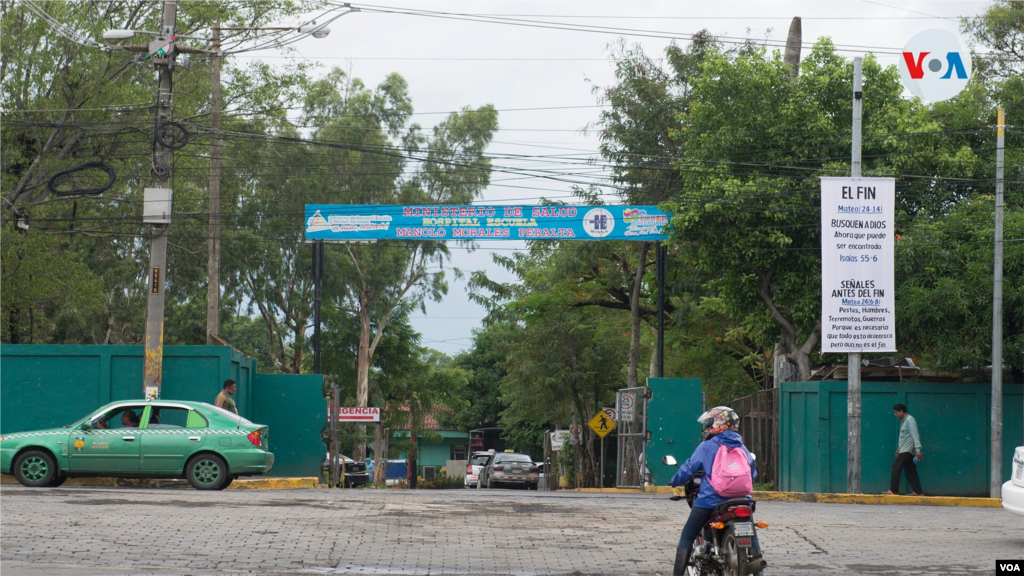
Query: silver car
column 510, row 469
column 475, row 466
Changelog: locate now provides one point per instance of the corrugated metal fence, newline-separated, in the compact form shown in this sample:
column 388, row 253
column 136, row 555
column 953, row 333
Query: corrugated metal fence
column 759, row 426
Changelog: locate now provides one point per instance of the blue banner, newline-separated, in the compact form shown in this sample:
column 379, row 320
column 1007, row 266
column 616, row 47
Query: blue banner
column 359, row 222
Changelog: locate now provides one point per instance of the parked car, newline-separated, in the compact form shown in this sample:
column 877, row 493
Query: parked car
column 510, row 469
column 356, row 474
column 1013, row 490
column 476, row 464
column 206, row 445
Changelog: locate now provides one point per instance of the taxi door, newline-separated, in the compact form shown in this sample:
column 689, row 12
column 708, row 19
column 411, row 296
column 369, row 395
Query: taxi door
column 112, row 444
column 172, row 433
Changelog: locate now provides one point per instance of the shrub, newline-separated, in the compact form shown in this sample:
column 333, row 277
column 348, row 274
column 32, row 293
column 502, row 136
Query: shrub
column 443, row 483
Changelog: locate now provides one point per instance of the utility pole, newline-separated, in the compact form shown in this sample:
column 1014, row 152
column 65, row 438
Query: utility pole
column 213, row 266
column 660, row 267
column 162, row 53
column 853, row 405
column 996, row 475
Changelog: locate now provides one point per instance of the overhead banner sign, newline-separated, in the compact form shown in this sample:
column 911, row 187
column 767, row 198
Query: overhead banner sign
column 364, row 222
column 350, row 414
column 858, row 305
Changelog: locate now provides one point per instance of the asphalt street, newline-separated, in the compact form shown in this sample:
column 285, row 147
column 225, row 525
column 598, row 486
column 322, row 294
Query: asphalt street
column 75, row 531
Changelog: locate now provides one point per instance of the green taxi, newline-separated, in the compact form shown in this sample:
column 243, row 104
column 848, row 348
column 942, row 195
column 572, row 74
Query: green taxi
column 206, row 445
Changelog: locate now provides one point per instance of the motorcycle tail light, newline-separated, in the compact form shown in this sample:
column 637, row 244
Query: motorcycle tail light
column 761, row 524
column 254, row 437
column 743, row 512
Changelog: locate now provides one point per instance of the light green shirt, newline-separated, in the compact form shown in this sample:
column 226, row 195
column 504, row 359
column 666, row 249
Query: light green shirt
column 910, row 440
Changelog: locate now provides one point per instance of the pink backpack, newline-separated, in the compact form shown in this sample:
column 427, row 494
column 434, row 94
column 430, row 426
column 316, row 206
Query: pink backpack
column 730, row 474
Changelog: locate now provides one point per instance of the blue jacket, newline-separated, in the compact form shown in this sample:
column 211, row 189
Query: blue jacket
column 704, row 459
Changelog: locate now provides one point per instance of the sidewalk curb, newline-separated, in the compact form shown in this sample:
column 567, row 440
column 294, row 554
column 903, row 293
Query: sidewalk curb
column 240, row 484
column 874, row 499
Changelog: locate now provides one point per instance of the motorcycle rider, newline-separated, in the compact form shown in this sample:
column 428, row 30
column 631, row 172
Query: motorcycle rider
column 718, row 427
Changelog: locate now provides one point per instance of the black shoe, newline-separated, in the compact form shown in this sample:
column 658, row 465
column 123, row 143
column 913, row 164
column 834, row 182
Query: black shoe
column 682, row 559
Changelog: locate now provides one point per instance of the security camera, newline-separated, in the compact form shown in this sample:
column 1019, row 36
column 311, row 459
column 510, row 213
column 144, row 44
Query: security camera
column 115, row 37
column 320, row 31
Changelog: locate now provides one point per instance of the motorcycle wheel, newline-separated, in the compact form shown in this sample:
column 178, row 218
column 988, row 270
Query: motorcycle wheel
column 735, row 557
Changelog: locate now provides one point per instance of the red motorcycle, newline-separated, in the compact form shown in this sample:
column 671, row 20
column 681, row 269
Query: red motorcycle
column 725, row 546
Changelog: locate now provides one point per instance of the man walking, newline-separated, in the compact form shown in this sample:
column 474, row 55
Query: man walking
column 907, row 454
column 224, row 399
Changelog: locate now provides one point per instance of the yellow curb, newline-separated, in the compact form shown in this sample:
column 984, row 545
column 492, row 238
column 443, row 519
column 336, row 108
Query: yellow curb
column 240, row 484
column 828, row 498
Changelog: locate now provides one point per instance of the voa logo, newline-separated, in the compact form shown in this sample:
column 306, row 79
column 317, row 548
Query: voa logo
column 934, row 65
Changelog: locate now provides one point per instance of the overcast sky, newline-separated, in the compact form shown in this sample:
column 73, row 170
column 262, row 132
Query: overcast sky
column 452, row 63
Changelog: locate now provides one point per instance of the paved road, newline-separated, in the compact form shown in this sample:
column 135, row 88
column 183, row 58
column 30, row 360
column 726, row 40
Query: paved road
column 319, row 532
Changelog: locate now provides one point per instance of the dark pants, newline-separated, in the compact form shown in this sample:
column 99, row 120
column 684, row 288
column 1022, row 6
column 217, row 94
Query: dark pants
column 695, row 524
column 905, row 461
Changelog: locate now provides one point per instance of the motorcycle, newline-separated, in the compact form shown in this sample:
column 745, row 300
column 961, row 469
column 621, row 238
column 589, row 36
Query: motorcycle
column 725, row 546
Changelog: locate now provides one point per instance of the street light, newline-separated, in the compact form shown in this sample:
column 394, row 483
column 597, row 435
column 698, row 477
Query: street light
column 318, row 31
column 115, row 37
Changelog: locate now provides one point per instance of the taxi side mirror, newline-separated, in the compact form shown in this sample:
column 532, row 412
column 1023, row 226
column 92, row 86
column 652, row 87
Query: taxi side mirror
column 87, row 425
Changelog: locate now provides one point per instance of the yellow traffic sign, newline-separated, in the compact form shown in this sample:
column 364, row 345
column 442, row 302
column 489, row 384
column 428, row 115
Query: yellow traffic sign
column 601, row 424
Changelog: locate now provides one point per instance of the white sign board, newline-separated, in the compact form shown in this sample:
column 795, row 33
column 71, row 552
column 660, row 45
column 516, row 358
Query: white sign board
column 558, row 439
column 858, row 305
column 367, row 414
column 627, row 407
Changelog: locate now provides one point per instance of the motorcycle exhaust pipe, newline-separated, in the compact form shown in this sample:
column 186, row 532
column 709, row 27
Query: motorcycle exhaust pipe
column 757, row 565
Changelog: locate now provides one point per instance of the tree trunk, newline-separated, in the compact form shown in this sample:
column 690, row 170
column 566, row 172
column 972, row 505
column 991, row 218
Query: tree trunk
column 362, row 374
column 12, row 324
column 632, row 376
column 379, row 467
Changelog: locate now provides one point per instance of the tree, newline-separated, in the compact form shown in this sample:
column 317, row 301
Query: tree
column 562, row 362
column 368, row 135
column 944, row 290
column 747, row 211
column 484, row 363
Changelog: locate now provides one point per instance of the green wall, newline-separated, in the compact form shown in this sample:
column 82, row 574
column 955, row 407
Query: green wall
column 293, row 406
column 953, row 420
column 50, row 385
column 672, row 414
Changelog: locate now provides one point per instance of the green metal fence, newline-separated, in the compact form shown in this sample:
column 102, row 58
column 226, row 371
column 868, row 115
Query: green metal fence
column 49, row 385
column 675, row 405
column 953, row 420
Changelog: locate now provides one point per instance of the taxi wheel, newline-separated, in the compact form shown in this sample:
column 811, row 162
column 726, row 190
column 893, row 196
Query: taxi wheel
column 207, row 472
column 35, row 469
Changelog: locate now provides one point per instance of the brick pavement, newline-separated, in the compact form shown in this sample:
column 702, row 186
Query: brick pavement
column 70, row 532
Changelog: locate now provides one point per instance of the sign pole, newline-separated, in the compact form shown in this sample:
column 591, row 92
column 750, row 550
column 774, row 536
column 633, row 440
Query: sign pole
column 600, row 473
column 853, row 400
column 318, row 281
column 996, row 448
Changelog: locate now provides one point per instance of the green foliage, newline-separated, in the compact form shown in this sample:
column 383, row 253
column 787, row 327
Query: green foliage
column 944, row 290
column 484, row 365
column 443, row 482
column 49, row 294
